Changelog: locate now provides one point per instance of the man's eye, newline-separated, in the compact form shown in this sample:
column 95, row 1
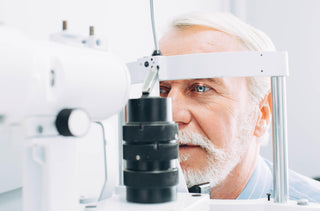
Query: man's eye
column 164, row 91
column 201, row 88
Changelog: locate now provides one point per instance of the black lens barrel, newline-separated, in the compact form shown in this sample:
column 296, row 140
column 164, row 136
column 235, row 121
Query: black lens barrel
column 149, row 151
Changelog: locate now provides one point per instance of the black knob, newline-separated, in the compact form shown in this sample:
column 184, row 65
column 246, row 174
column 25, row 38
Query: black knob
column 72, row 122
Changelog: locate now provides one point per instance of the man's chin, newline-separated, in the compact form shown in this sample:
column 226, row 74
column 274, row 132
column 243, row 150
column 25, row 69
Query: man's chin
column 193, row 160
column 188, row 149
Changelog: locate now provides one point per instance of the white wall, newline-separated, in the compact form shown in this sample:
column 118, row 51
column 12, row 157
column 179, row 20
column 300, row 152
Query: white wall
column 125, row 23
column 293, row 25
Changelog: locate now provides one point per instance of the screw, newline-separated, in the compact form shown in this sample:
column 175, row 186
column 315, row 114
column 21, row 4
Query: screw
column 269, row 195
column 91, row 30
column 262, row 71
column 64, row 25
column 146, row 64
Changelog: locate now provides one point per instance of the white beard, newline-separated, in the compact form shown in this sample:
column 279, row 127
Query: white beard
column 219, row 162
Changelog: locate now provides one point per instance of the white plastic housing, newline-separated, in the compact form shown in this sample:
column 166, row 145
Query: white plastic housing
column 49, row 175
column 212, row 65
column 93, row 80
column 41, row 78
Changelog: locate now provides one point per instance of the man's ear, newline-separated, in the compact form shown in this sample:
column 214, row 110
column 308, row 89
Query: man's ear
column 264, row 116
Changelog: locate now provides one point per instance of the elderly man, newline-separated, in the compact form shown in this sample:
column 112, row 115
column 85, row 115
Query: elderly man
column 222, row 121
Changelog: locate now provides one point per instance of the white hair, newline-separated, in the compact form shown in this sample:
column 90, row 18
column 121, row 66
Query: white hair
column 251, row 38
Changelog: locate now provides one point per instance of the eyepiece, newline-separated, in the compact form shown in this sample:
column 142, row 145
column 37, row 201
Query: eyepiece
column 149, row 151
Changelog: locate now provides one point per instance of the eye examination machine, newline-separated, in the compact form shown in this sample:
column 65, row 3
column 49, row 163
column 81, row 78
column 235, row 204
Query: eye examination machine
column 52, row 91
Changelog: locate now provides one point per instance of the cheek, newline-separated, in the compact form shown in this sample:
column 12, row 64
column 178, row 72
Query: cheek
column 218, row 123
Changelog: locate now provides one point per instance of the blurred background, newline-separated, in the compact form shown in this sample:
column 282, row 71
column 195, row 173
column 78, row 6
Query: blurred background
column 125, row 28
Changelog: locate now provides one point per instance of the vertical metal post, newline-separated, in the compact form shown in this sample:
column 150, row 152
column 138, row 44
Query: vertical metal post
column 121, row 121
column 279, row 130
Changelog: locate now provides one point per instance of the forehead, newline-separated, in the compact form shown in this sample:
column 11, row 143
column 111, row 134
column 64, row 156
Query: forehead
column 200, row 39
column 197, row 39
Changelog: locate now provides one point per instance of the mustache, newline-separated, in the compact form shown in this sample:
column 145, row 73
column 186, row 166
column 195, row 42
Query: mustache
column 192, row 138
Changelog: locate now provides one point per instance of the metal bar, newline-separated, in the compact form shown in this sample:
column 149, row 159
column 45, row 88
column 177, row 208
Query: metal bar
column 105, row 161
column 150, row 80
column 279, row 130
column 121, row 121
column 153, row 26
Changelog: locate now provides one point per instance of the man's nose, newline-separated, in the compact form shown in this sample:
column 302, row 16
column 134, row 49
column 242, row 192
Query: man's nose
column 180, row 108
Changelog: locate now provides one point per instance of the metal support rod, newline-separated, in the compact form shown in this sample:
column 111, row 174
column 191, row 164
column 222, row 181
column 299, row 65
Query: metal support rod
column 153, row 26
column 101, row 195
column 121, row 121
column 279, row 130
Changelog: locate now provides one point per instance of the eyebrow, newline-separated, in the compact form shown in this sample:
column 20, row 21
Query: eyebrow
column 217, row 81
column 212, row 80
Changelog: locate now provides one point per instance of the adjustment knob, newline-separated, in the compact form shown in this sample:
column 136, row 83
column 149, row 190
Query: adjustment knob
column 73, row 122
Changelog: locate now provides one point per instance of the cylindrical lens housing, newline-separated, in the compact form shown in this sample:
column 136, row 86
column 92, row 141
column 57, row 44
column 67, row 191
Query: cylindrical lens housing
column 149, row 151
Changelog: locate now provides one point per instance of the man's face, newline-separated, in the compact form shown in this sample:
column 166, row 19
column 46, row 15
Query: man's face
column 213, row 114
